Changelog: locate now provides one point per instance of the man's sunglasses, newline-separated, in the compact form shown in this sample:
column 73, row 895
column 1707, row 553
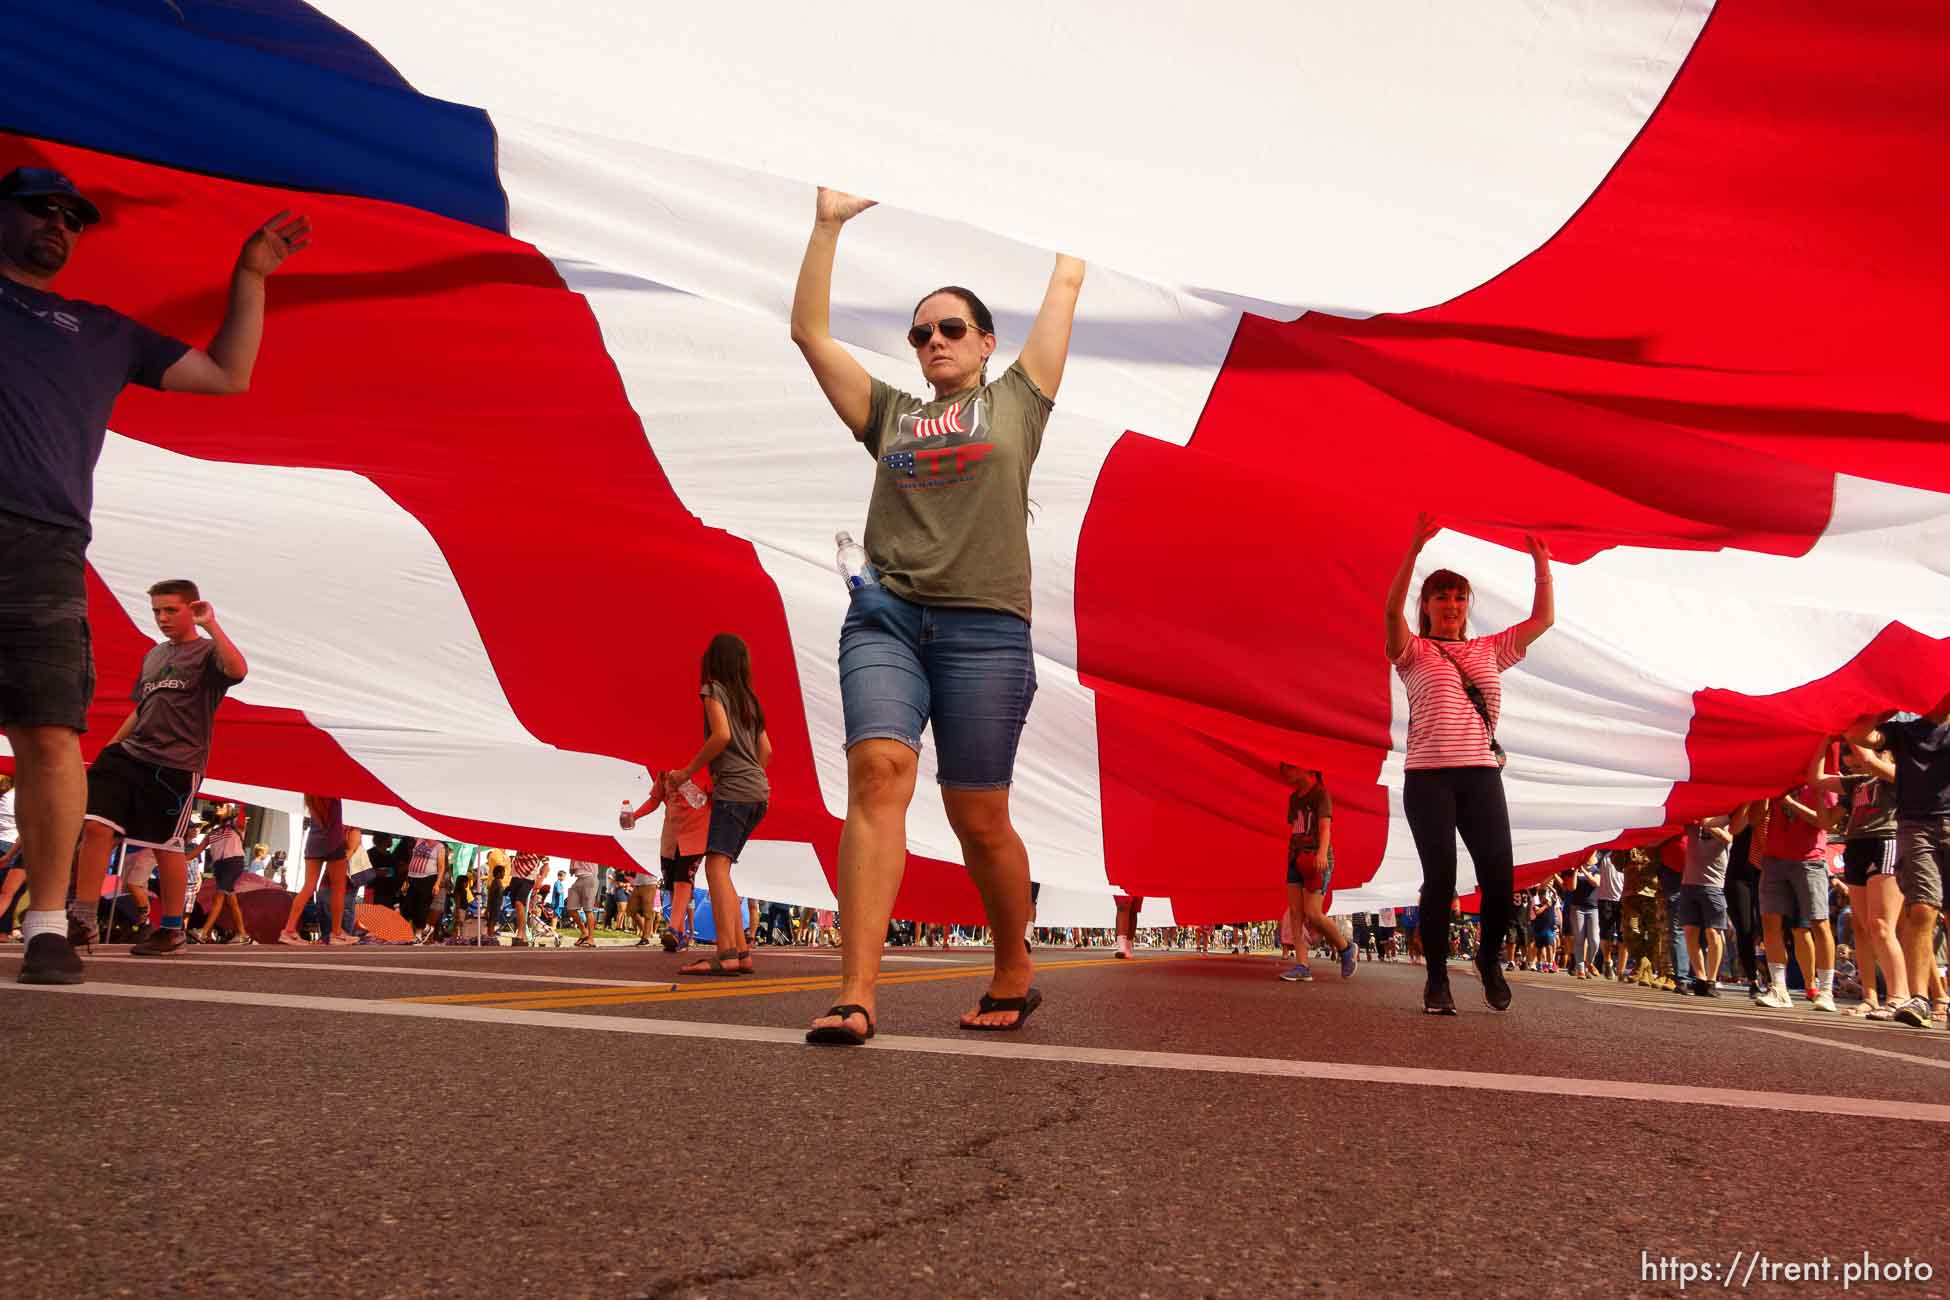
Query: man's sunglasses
column 951, row 327
column 47, row 209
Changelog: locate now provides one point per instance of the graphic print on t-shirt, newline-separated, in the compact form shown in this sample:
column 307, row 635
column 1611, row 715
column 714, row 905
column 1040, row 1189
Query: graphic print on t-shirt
column 941, row 450
column 1303, row 814
column 176, row 699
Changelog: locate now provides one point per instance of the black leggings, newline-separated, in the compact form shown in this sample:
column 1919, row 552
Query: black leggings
column 1440, row 804
column 1743, row 912
column 419, row 899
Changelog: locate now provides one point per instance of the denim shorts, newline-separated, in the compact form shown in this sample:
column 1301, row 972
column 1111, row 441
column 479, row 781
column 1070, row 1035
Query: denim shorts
column 1703, row 907
column 1300, row 870
column 732, row 823
column 47, row 665
column 968, row 673
column 227, row 873
column 1795, row 891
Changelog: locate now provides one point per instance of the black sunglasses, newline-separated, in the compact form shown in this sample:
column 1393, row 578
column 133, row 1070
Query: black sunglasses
column 46, row 208
column 951, row 327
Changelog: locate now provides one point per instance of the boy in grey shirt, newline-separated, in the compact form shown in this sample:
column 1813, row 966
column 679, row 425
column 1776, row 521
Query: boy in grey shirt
column 1703, row 896
column 143, row 784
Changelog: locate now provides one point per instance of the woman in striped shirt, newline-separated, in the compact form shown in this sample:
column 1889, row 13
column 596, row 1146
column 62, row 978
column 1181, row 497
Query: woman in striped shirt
column 422, row 874
column 1454, row 780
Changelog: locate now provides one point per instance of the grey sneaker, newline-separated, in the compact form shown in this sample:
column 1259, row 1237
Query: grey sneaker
column 1298, row 973
column 161, row 943
column 82, row 930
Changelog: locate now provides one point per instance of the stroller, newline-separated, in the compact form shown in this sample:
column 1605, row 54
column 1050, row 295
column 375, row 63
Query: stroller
column 541, row 925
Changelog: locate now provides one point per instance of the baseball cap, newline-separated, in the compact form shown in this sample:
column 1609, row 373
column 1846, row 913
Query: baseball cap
column 33, row 182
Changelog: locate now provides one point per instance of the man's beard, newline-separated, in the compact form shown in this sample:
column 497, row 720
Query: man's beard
column 46, row 255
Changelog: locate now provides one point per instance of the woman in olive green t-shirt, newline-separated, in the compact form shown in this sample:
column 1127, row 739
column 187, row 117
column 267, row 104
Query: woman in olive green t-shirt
column 947, row 535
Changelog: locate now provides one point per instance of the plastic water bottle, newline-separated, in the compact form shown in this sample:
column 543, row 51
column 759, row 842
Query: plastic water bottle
column 623, row 818
column 689, row 791
column 852, row 562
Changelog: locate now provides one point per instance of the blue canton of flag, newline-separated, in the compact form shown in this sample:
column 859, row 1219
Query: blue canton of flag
column 900, row 461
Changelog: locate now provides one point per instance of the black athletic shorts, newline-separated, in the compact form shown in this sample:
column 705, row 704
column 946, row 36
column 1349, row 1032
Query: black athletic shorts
column 228, row 872
column 519, row 889
column 145, row 804
column 681, row 870
column 47, row 668
column 1864, row 858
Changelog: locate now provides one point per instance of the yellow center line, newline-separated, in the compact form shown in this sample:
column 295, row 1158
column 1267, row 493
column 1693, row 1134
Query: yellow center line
column 546, row 996
column 750, row 986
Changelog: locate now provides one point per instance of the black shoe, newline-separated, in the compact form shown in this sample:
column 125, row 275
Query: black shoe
column 643, row 943
column 1706, row 988
column 50, row 959
column 1496, row 989
column 1436, row 998
column 1682, row 987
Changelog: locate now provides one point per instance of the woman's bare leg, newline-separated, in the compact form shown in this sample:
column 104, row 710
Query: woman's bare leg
column 999, row 864
column 313, row 868
column 873, row 857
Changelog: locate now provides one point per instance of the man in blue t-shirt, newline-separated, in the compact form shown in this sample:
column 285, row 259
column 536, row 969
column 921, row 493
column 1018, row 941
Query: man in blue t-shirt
column 1920, row 746
column 62, row 363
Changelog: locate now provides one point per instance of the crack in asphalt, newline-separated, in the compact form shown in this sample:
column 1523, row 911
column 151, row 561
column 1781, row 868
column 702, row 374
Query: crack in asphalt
column 999, row 1186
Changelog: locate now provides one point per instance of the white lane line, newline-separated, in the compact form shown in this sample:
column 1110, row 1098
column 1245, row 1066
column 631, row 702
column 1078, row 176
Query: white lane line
column 503, row 976
column 1333, row 1071
column 1851, row 1047
column 1838, row 1023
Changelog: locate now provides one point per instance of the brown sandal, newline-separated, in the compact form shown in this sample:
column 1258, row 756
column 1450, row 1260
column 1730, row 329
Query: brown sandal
column 712, row 965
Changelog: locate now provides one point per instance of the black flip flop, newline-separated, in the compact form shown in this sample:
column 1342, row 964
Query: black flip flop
column 839, row 1035
column 1022, row 1006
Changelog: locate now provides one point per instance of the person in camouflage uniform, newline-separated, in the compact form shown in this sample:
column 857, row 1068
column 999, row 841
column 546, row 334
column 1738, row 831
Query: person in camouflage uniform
column 1642, row 920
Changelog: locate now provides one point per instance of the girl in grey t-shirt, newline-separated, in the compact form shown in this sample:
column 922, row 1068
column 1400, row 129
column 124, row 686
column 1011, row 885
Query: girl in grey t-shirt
column 737, row 751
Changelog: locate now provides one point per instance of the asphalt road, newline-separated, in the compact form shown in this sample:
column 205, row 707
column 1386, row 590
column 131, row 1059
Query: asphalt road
column 404, row 1122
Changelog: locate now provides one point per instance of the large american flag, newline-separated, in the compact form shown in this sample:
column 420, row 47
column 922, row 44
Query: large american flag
column 526, row 430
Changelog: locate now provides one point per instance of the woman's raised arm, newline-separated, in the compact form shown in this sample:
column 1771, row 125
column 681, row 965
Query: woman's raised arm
column 1047, row 348
column 1543, row 603
column 1399, row 632
column 844, row 380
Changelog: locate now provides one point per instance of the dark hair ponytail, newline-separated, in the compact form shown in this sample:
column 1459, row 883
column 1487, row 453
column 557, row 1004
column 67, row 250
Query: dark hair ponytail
column 727, row 663
column 978, row 311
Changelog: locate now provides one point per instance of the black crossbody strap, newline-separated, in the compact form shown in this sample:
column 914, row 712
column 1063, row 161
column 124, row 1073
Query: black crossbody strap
column 1471, row 690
